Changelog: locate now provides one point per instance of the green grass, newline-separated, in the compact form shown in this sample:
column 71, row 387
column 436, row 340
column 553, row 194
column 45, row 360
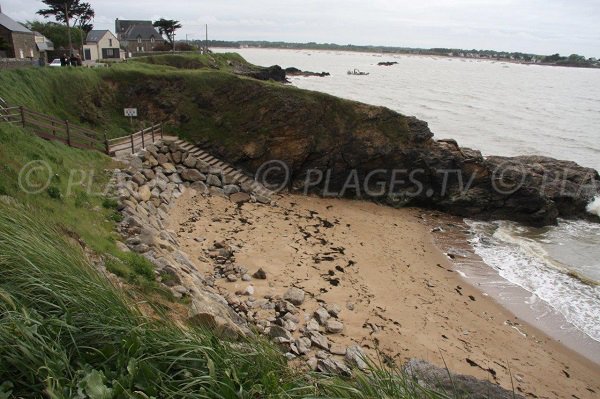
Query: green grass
column 66, row 331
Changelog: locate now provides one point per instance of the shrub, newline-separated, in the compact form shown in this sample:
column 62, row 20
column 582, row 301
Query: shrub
column 54, row 193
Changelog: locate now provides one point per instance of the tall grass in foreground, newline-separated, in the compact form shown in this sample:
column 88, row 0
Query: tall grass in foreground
column 66, row 331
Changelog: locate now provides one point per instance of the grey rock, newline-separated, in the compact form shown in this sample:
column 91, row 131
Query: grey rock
column 294, row 295
column 321, row 315
column 192, row 175
column 319, row 340
column 176, row 156
column 355, row 357
column 202, row 166
column 312, row 363
column 169, row 168
column 280, row 332
column 231, row 189
column 312, row 325
column 232, row 278
column 260, row 274
column 303, row 345
column 239, row 198
column 338, row 350
column 333, row 309
column 190, row 161
column 440, row 379
column 246, row 277
column 139, row 178
column 333, row 367
column 334, row 327
column 213, row 180
column 217, row 192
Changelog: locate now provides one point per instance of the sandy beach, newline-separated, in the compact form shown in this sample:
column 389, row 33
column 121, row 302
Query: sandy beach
column 399, row 293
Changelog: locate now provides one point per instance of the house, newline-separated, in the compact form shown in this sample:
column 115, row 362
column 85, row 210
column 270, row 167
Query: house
column 102, row 45
column 44, row 46
column 16, row 41
column 137, row 36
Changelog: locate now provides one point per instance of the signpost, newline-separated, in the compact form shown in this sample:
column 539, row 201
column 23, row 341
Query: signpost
column 131, row 113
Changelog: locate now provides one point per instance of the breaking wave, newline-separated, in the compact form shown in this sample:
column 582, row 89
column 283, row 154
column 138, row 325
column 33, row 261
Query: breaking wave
column 594, row 206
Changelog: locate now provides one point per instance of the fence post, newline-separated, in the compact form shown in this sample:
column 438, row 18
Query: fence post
column 106, row 146
column 161, row 131
column 22, row 109
column 132, row 146
column 143, row 129
column 68, row 133
column 152, row 130
column 53, row 129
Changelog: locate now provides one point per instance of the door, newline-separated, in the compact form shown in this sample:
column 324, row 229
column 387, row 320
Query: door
column 87, row 54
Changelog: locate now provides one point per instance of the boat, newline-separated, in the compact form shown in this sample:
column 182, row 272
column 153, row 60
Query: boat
column 357, row 72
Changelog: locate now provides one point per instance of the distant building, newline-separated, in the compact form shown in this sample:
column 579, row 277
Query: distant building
column 17, row 41
column 102, row 45
column 44, row 45
column 137, row 36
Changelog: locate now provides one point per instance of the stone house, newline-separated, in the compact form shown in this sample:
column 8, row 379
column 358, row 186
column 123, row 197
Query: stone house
column 19, row 41
column 102, row 45
column 137, row 36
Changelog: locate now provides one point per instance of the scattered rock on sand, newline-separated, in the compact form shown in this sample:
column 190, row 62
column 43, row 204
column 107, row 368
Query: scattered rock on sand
column 260, row 274
column 239, row 198
column 321, row 315
column 294, row 295
column 356, row 357
column 334, row 327
column 280, row 332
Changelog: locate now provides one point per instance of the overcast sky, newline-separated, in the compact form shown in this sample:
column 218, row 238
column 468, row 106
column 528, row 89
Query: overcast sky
column 538, row 26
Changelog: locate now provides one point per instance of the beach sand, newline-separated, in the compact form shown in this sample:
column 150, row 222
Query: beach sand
column 400, row 295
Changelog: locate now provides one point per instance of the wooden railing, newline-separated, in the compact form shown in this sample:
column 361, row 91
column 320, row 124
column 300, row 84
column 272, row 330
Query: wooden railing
column 51, row 128
column 135, row 141
column 54, row 129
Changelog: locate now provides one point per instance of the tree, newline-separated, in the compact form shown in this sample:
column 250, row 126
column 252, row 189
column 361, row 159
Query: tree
column 66, row 10
column 168, row 27
column 56, row 33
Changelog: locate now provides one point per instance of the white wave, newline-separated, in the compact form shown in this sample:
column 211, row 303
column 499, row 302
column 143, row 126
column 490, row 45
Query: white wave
column 594, row 206
column 524, row 262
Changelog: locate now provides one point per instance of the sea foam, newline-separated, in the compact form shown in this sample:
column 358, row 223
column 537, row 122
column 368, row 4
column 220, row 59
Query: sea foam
column 594, row 206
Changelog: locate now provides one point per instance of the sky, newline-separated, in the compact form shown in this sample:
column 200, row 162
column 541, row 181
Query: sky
column 530, row 26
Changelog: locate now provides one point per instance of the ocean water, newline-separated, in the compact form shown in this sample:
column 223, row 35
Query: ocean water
column 501, row 109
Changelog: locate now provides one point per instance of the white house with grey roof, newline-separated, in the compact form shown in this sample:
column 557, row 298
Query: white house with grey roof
column 102, row 45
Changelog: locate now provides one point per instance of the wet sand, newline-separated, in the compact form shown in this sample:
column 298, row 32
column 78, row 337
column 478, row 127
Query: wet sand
column 401, row 296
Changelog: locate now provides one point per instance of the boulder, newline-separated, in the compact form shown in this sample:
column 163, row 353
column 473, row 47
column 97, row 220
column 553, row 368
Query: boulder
column 294, row 295
column 169, row 168
column 334, row 327
column 321, row 315
column 144, row 193
column 190, row 161
column 192, row 175
column 440, row 379
column 239, row 198
column 231, row 189
column 260, row 274
column 214, row 180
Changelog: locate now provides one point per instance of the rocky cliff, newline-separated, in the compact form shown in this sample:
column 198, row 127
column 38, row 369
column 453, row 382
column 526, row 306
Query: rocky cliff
column 337, row 147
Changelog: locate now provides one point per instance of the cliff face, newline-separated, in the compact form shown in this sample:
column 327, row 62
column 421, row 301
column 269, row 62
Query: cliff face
column 337, row 147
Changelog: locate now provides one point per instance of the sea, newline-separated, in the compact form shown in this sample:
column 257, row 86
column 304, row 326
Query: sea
column 499, row 108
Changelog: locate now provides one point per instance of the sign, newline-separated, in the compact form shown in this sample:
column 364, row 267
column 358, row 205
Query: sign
column 131, row 112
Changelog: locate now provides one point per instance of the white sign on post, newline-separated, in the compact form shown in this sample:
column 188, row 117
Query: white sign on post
column 131, row 112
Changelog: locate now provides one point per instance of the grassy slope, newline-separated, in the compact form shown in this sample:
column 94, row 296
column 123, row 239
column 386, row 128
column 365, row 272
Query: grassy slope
column 198, row 98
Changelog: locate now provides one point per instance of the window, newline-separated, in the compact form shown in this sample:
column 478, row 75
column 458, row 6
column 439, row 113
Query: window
column 152, row 39
column 110, row 52
column 110, row 42
column 139, row 39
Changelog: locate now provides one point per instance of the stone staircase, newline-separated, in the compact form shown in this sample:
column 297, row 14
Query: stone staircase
column 234, row 174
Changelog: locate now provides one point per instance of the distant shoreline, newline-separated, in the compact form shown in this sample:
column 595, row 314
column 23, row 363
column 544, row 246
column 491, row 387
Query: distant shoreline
column 468, row 55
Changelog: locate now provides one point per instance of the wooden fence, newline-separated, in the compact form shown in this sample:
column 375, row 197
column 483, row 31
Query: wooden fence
column 135, row 141
column 54, row 129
